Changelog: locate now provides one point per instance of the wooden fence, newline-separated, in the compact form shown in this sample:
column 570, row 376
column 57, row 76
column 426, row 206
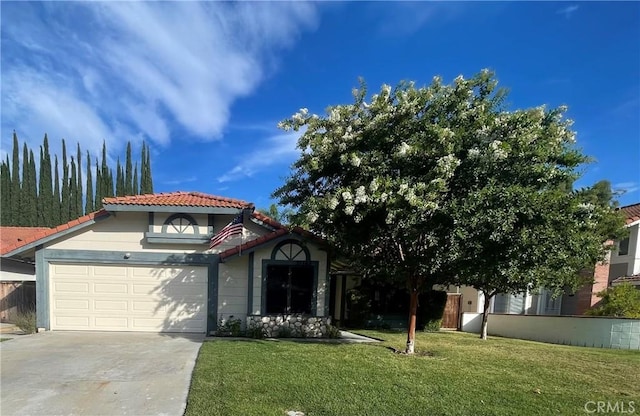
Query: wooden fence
column 15, row 298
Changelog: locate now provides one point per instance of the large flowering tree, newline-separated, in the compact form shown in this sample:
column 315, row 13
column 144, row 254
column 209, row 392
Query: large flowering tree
column 397, row 182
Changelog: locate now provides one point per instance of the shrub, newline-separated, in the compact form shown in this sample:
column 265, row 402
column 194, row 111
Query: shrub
column 433, row 325
column 332, row 331
column 255, row 332
column 229, row 327
column 26, row 321
column 431, row 309
column 621, row 301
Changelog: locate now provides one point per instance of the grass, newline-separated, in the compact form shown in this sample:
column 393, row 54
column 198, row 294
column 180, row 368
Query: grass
column 4, row 339
column 451, row 374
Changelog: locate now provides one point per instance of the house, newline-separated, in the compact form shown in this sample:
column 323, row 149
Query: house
column 621, row 266
column 17, row 277
column 143, row 263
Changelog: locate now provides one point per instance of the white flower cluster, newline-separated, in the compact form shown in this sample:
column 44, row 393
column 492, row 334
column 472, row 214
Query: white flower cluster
column 361, row 196
column 355, row 160
column 403, row 149
column 312, row 217
column 498, row 150
column 448, row 164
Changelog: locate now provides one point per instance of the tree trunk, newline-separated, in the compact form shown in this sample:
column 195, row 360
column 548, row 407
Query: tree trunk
column 413, row 309
column 485, row 315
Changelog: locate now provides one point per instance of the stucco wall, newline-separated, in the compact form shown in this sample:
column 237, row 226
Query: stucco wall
column 124, row 231
column 232, row 288
column 598, row 332
column 632, row 258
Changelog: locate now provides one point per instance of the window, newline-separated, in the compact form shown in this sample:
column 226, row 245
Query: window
column 289, row 289
column 623, row 247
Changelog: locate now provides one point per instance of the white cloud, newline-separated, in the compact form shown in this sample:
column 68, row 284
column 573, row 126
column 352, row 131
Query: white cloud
column 626, row 187
column 132, row 70
column 568, row 11
column 180, row 181
column 277, row 149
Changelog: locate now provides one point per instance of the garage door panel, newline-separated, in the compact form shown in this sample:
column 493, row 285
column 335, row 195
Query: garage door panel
column 71, row 287
column 128, row 298
column 113, row 323
column 111, row 305
column 63, row 304
column 81, row 322
column 109, row 271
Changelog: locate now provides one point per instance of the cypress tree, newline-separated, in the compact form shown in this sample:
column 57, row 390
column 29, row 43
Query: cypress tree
column 15, row 183
column 149, row 177
column 73, row 191
column 56, row 195
column 66, row 203
column 107, row 179
column 32, row 191
column 119, row 180
column 99, row 183
column 128, row 177
column 24, row 218
column 110, row 183
column 88, row 205
column 78, row 200
column 135, row 188
column 45, row 186
column 5, row 193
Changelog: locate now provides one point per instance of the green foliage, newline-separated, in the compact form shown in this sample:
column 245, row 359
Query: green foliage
column 37, row 200
column 45, row 187
column 333, row 332
column 255, row 332
column 433, row 325
column 229, row 327
column 620, row 301
column 26, row 321
column 89, row 205
column 441, row 184
column 55, row 205
column 432, row 303
column 359, row 304
column 128, row 177
column 277, row 213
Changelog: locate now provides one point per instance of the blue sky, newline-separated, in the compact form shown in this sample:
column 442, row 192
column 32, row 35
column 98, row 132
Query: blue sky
column 206, row 83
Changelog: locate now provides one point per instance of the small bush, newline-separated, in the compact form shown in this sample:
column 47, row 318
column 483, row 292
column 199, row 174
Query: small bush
column 333, row 332
column 255, row 332
column 26, row 321
column 433, row 325
column 229, row 327
column 620, row 301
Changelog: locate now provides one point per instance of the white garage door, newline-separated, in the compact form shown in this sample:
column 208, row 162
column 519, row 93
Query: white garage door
column 135, row 298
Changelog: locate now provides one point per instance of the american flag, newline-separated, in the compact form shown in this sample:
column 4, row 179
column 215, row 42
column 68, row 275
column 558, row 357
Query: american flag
column 231, row 229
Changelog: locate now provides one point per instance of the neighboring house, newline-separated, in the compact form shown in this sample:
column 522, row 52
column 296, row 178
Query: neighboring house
column 622, row 265
column 17, row 277
column 143, row 263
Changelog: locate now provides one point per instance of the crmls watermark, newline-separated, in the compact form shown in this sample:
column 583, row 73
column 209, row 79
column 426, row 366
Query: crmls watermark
column 619, row 407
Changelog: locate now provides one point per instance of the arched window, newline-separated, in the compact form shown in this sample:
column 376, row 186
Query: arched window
column 180, row 224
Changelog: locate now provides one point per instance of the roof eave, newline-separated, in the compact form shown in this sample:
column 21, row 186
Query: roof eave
column 172, row 208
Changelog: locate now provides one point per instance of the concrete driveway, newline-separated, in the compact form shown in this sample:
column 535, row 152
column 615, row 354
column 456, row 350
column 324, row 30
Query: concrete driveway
column 96, row 373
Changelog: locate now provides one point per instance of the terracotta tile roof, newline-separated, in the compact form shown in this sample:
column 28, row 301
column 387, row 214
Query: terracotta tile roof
column 279, row 231
column 14, row 235
column 46, row 232
column 184, row 199
column 632, row 212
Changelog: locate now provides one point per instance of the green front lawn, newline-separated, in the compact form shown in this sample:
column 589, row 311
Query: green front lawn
column 463, row 376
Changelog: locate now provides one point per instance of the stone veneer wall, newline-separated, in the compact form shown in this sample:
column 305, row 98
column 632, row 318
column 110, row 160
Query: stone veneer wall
column 299, row 326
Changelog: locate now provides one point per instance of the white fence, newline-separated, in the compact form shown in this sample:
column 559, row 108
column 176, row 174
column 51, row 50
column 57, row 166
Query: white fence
column 584, row 331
